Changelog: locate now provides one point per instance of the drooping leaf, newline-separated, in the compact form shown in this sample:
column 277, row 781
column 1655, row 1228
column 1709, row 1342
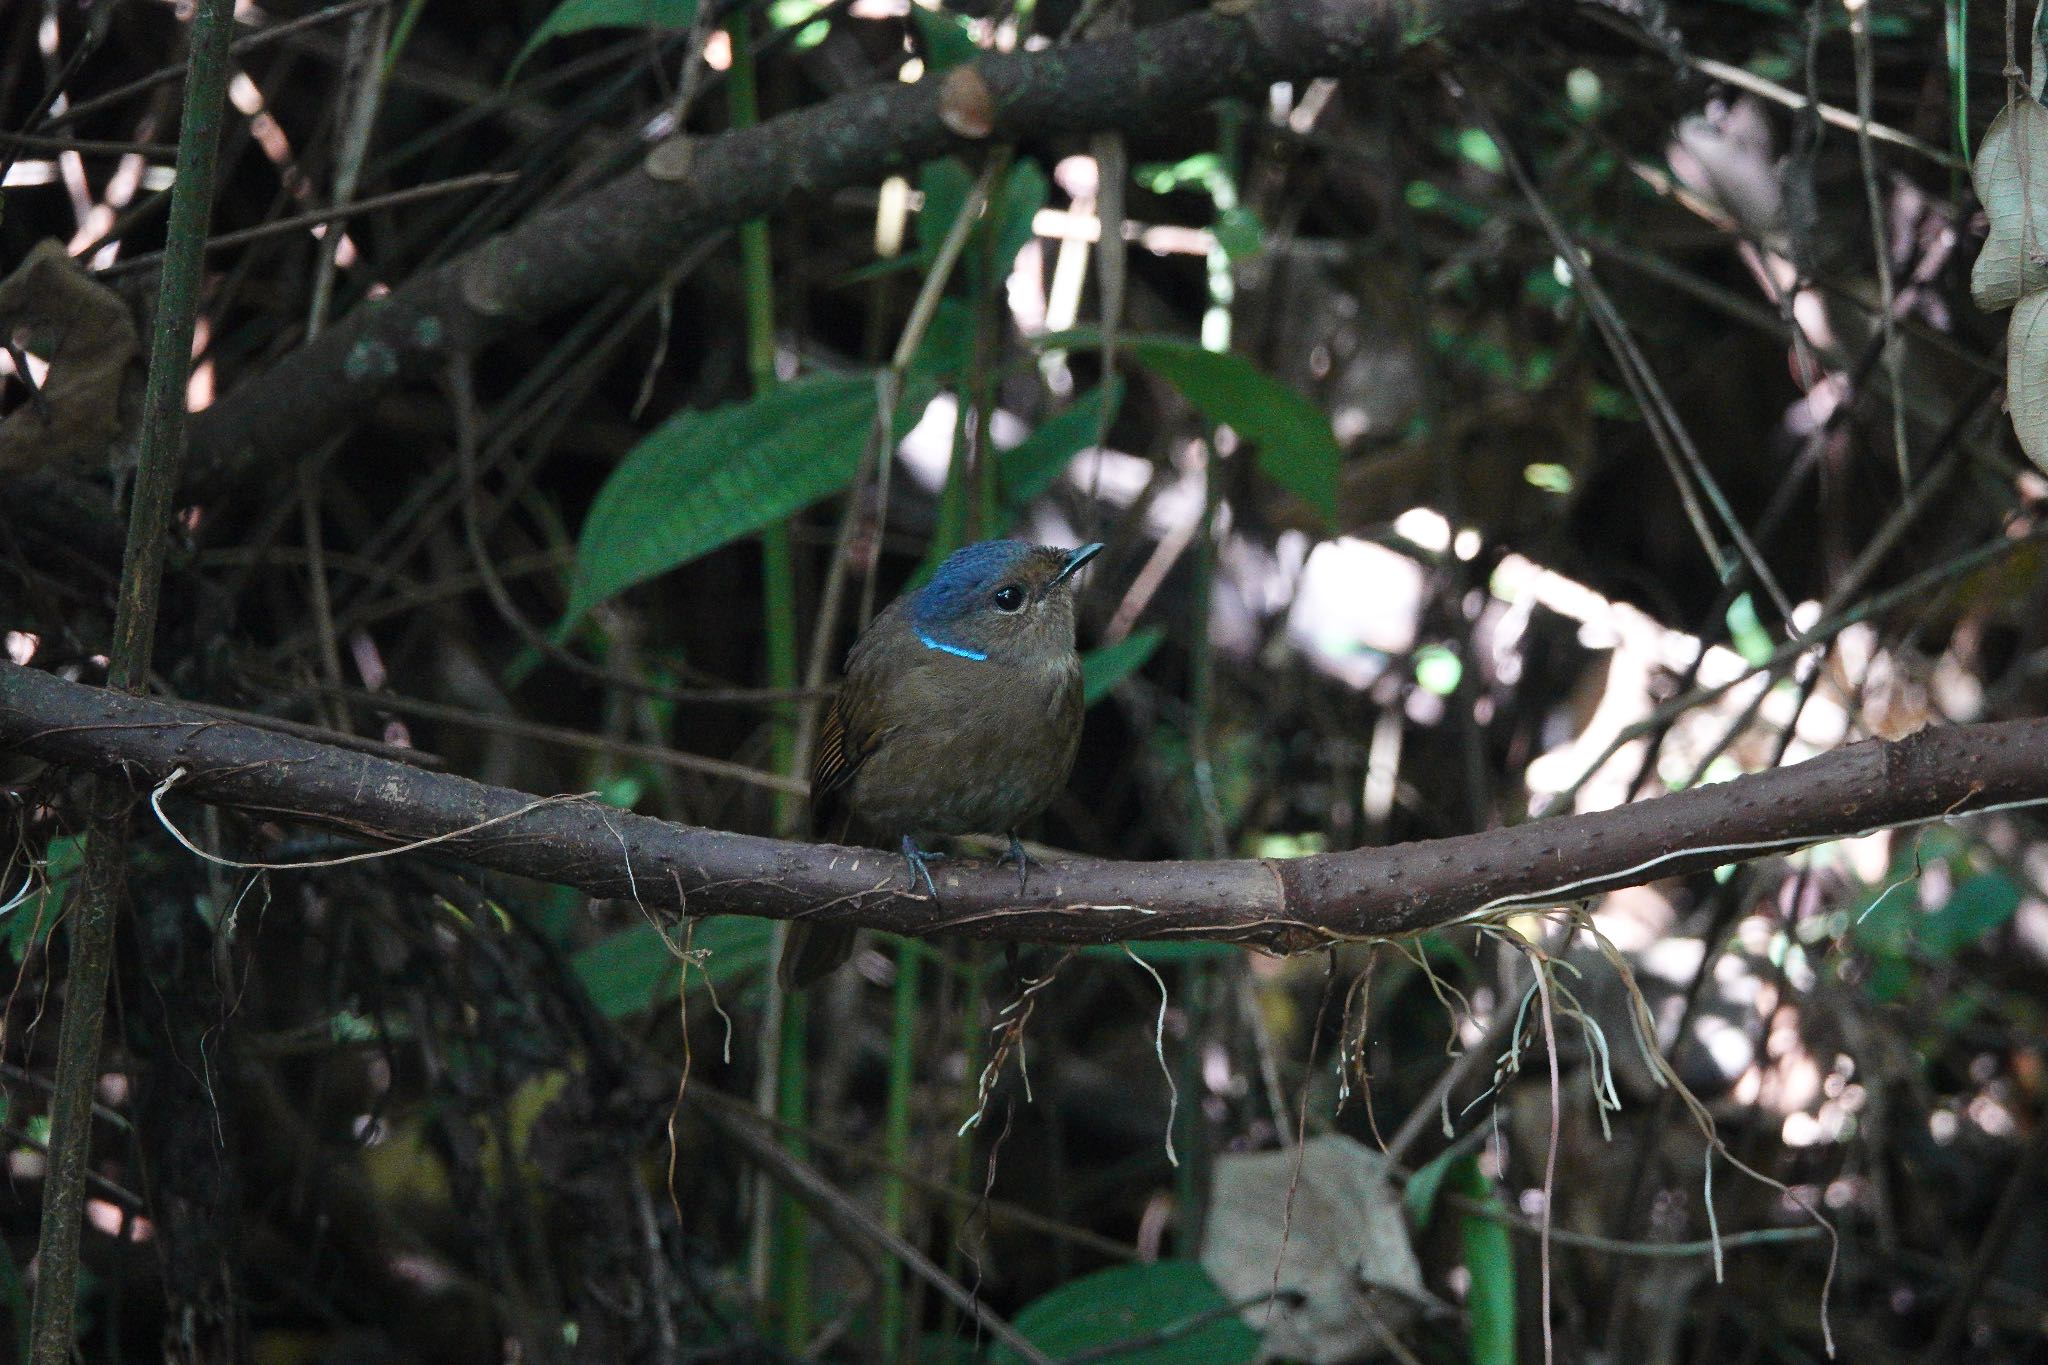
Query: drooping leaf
column 1129, row 1301
column 703, row 479
column 1102, row 669
column 2011, row 176
column 1297, row 449
column 575, row 16
column 1030, row 467
column 2026, row 374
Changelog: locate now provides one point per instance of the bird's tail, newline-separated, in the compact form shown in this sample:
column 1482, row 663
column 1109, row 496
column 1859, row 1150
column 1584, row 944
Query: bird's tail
column 811, row 952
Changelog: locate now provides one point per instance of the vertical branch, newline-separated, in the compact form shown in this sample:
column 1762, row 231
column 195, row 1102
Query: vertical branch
column 1887, row 294
column 156, row 482
column 903, row 1036
column 780, row 1231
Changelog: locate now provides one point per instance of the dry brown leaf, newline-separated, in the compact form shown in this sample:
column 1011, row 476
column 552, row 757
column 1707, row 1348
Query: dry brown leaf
column 86, row 414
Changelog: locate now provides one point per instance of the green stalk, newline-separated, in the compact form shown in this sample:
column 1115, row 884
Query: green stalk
column 102, row 886
column 974, row 1045
column 1956, row 29
column 984, row 516
column 903, row 1033
column 789, row 1250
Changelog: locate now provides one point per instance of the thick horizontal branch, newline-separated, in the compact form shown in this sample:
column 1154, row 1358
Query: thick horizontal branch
column 630, row 231
column 1286, row 905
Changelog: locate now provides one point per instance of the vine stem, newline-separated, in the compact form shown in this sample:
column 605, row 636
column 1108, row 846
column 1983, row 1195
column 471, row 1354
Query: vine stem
column 102, row 885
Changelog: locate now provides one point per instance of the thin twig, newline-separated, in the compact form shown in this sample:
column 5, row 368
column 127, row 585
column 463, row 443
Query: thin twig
column 340, row 213
column 241, row 47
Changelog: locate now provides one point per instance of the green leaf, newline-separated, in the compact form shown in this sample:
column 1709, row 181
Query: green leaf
column 945, row 184
column 1022, row 196
column 1974, row 909
column 1890, row 978
column 1296, row 447
column 634, row 970
column 1134, row 1300
column 1163, row 954
column 947, row 350
column 35, row 915
column 1102, row 669
column 1240, row 233
column 947, row 43
column 1420, row 1196
column 1490, row 1260
column 574, row 16
column 2013, row 187
column 1030, row 467
column 704, row 479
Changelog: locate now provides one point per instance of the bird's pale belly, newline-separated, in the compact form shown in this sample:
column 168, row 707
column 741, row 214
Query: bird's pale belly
column 989, row 768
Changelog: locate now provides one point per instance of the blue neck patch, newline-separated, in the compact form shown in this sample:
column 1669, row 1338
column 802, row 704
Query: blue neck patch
column 957, row 651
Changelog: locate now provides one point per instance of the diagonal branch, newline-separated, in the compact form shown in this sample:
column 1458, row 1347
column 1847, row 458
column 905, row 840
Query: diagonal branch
column 1287, row 905
column 629, row 231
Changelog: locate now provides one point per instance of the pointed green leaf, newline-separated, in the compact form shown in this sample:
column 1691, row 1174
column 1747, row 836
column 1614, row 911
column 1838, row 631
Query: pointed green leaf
column 635, row 970
column 1129, row 1301
column 1296, row 447
column 574, row 16
column 1030, row 467
column 704, row 479
column 1102, row 669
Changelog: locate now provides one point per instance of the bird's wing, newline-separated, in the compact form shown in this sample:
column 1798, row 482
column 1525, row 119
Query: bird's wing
column 831, row 769
column 845, row 740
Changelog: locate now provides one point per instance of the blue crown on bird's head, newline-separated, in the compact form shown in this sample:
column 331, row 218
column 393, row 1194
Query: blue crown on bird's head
column 964, row 580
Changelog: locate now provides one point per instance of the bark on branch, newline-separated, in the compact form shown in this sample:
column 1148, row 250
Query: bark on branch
column 630, row 231
column 1286, row 905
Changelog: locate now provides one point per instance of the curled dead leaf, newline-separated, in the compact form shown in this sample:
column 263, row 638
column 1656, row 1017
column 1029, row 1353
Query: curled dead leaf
column 2026, row 375
column 89, row 403
column 2011, row 177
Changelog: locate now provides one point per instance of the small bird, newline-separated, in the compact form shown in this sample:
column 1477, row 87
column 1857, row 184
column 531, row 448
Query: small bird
column 960, row 714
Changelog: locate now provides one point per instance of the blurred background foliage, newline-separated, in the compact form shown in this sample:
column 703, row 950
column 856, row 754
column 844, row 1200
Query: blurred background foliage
column 1585, row 406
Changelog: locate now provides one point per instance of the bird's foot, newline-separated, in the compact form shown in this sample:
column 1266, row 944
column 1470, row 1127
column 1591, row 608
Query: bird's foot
column 1022, row 859
column 920, row 865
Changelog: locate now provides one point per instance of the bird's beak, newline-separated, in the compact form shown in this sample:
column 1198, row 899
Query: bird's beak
column 1075, row 561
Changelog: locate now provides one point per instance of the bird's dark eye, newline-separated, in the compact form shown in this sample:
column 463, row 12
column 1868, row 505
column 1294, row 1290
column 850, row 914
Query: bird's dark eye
column 1009, row 597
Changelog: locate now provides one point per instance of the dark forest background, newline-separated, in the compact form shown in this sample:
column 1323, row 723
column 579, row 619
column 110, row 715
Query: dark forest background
column 1542, row 408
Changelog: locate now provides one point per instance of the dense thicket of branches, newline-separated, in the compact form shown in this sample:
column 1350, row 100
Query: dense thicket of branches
column 1498, row 416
